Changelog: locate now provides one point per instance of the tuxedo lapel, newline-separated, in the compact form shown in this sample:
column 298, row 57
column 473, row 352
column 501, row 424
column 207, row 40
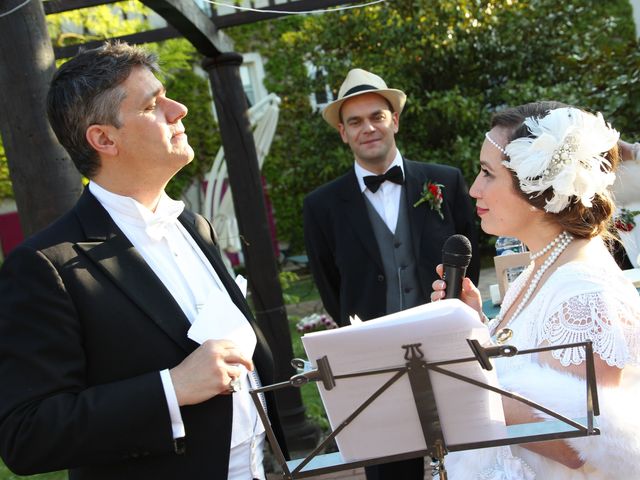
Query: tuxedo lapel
column 358, row 217
column 414, row 181
column 114, row 254
column 201, row 232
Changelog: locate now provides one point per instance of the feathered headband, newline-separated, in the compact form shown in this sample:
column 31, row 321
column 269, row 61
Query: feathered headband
column 565, row 152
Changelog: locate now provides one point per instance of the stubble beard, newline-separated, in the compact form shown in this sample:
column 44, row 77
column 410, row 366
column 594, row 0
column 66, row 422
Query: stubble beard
column 374, row 160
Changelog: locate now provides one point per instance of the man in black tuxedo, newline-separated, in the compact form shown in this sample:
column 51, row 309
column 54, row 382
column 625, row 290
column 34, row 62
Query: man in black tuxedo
column 97, row 372
column 374, row 236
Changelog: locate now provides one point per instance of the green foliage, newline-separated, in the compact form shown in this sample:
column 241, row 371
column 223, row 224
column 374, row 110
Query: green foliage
column 457, row 60
column 5, row 474
column 287, row 280
column 298, row 288
column 6, row 188
column 310, row 396
column 97, row 23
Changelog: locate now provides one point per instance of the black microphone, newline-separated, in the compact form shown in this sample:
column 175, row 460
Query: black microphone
column 456, row 256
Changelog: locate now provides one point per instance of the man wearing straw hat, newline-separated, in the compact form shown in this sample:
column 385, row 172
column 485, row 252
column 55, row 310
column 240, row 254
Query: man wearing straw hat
column 374, row 235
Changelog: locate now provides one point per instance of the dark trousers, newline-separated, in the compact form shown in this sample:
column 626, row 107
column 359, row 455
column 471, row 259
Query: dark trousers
column 412, row 469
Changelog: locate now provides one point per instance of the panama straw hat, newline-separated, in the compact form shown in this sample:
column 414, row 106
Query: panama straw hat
column 360, row 81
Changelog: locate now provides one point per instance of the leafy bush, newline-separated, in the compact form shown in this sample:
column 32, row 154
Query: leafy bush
column 6, row 189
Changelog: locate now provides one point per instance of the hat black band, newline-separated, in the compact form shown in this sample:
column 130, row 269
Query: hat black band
column 359, row 88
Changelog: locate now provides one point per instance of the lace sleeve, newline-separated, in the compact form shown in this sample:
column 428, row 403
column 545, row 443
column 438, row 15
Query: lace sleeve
column 611, row 324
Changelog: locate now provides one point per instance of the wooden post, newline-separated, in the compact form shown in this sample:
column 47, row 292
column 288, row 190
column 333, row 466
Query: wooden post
column 262, row 271
column 45, row 182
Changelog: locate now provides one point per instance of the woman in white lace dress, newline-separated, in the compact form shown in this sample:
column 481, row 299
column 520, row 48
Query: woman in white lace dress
column 546, row 172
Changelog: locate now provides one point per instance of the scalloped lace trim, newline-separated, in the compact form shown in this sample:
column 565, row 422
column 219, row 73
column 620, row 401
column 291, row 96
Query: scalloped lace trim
column 612, row 328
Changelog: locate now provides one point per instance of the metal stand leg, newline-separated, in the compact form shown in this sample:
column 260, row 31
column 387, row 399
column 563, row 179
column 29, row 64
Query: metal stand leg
column 440, row 452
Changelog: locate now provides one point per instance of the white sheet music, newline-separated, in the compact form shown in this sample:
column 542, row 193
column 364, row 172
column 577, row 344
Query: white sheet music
column 390, row 425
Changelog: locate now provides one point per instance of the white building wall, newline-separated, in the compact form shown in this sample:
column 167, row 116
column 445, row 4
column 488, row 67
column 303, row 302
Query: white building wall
column 636, row 14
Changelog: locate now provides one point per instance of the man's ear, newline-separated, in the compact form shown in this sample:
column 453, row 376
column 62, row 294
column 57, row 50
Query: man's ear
column 100, row 139
column 396, row 122
column 342, row 133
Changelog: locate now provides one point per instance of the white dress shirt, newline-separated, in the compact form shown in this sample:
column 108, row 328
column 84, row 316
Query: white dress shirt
column 173, row 255
column 386, row 200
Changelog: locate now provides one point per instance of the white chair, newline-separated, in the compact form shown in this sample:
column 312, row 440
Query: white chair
column 218, row 204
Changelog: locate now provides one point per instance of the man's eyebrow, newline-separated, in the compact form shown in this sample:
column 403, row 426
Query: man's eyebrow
column 372, row 114
column 352, row 117
column 151, row 95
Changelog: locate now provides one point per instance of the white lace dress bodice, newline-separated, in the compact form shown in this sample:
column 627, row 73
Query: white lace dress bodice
column 579, row 301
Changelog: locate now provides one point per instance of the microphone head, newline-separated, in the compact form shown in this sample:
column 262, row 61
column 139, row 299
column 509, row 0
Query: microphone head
column 456, row 251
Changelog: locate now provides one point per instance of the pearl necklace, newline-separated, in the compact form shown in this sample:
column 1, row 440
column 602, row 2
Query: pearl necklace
column 563, row 236
column 561, row 242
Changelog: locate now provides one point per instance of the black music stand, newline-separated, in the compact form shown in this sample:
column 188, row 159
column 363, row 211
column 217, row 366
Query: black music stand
column 417, row 370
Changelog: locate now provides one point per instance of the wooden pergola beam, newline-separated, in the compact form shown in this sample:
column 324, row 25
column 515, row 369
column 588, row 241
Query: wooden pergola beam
column 156, row 35
column 184, row 16
column 193, row 24
column 221, row 21
column 244, row 17
column 59, row 6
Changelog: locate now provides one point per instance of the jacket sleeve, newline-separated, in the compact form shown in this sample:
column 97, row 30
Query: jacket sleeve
column 51, row 416
column 322, row 262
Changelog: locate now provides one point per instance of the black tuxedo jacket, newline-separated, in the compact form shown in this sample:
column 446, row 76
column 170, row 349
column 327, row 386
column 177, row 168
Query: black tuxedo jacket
column 343, row 252
column 85, row 327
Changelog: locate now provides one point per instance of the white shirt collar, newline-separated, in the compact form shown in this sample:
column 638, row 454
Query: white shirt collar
column 134, row 213
column 362, row 172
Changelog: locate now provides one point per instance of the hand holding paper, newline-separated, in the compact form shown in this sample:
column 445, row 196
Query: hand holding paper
column 219, row 319
column 208, row 371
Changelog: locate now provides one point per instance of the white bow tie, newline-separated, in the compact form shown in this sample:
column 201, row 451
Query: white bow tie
column 161, row 222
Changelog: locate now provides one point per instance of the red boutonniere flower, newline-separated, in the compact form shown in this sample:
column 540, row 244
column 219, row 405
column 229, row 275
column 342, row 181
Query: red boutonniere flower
column 432, row 195
column 625, row 221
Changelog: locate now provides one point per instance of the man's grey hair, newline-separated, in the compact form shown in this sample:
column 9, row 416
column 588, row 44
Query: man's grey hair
column 87, row 90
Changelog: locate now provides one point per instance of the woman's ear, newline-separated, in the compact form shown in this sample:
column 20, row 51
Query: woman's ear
column 100, row 139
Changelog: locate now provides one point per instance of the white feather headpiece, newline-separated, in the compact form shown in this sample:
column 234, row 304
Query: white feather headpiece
column 566, row 153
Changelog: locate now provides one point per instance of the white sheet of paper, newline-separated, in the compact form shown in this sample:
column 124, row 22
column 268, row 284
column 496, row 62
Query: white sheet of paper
column 242, row 284
column 390, row 425
column 220, row 319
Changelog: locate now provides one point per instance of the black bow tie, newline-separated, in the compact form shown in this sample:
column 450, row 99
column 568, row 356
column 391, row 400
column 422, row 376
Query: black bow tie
column 394, row 174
